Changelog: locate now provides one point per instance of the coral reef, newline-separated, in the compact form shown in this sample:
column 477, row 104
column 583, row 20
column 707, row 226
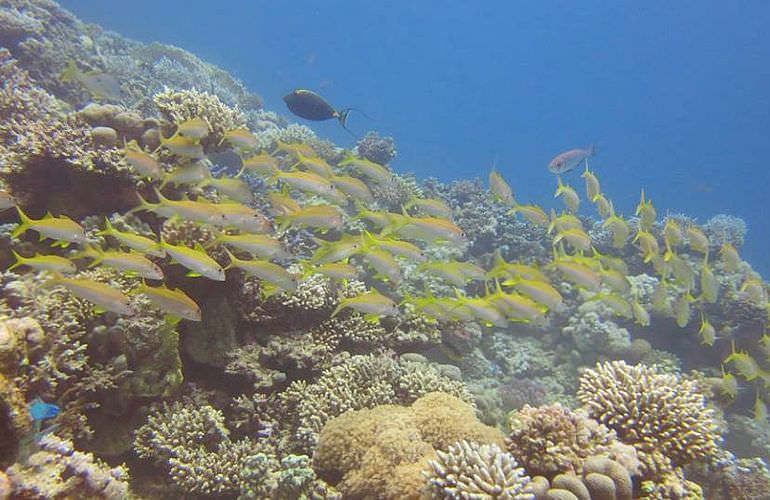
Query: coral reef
column 376, row 148
column 382, row 452
column 470, row 470
column 662, row 416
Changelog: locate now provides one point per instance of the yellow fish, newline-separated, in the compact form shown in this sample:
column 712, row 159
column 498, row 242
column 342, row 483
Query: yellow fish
column 579, row 274
column 383, row 262
column 431, row 207
column 176, row 303
column 395, row 247
column 500, row 189
column 456, row 273
column 196, row 260
column 318, row 166
column 233, row 188
column 485, row 311
column 335, row 270
column 744, row 364
column 62, row 229
column 682, row 309
column 372, row 303
column 533, row 213
column 322, row 217
column 335, row 251
column 259, row 245
column 646, row 213
column 577, row 238
column 103, row 296
column 647, row 243
column 709, row 285
column 569, row 196
column 618, row 305
column 293, row 149
column 430, row 229
column 134, row 241
column 243, row 217
column 310, row 183
column 730, row 257
column 538, row 291
column 641, row 316
column 205, row 212
column 241, row 139
column 564, row 222
column 603, row 205
column 192, row 172
column 672, row 234
column 707, row 332
column 353, row 187
column 697, row 239
column 144, row 163
column 281, row 203
column 261, row 164
column 618, row 227
column 99, row 84
column 369, row 169
column 615, row 280
column 183, row 146
column 194, row 128
column 593, row 188
column 517, row 307
column 133, row 264
column 276, row 278
column 44, row 263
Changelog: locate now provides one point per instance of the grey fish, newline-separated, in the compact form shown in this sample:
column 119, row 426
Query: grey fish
column 566, row 161
column 311, row 106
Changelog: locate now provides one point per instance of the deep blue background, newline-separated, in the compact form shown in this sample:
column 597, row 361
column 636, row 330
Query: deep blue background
column 674, row 94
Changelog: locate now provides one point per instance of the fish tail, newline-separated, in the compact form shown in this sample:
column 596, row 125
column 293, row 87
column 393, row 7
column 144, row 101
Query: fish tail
column 108, row 228
column 20, row 261
column 25, row 223
column 233, row 259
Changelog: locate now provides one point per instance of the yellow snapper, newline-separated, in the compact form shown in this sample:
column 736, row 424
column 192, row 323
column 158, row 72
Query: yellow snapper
column 309, row 183
column 564, row 222
column 672, row 234
column 618, row 305
column 322, row 217
column 485, row 311
column 593, row 188
column 730, row 257
column 647, row 243
column 192, row 172
column 646, row 213
column 707, row 332
column 577, row 238
column 196, row 260
column 431, row 207
column 372, row 303
column 603, row 205
column 708, row 283
column 533, row 213
column 183, row 146
column 431, row 229
column 62, row 229
column 579, row 274
column 500, row 189
column 383, row 262
column 103, row 296
column 259, row 245
column 127, row 262
column 335, row 251
column 6, row 200
column 276, row 278
column 641, row 316
column 194, row 128
column 744, row 364
column 318, row 166
column 395, row 247
column 615, row 280
column 44, row 263
column 697, row 239
column 175, row 302
column 503, row 269
column 134, row 241
column 369, row 169
column 517, row 307
column 538, row 291
column 569, row 196
column 198, row 211
column 682, row 310
column 281, row 203
column 261, row 164
column 456, row 273
column 618, row 227
column 353, row 187
column 245, row 218
column 144, row 163
column 293, row 149
column 232, row 188
column 241, row 139
column 98, row 83
column 335, row 271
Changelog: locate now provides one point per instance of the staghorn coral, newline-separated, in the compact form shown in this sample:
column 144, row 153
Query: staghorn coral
column 552, row 439
column 381, row 452
column 376, row 148
column 664, row 417
column 60, row 471
column 176, row 106
column 471, row 470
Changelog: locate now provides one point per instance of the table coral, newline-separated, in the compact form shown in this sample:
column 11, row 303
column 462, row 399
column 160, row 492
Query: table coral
column 381, row 452
column 469, row 469
column 664, row 417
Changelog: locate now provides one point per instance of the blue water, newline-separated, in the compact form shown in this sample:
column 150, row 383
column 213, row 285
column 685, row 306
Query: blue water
column 674, row 94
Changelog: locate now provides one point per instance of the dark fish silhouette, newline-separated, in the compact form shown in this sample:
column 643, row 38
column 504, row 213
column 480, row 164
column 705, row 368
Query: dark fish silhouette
column 311, row 106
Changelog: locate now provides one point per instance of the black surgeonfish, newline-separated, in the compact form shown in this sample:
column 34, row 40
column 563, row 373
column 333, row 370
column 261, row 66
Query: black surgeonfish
column 311, row 106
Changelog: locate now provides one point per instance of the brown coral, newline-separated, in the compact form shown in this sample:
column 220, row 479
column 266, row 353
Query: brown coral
column 664, row 417
column 552, row 439
column 380, row 453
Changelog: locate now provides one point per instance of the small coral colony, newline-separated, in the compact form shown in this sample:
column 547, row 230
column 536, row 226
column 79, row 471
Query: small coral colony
column 254, row 312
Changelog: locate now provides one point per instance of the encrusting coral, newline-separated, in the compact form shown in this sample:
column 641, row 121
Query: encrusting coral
column 471, row 470
column 381, row 452
column 663, row 417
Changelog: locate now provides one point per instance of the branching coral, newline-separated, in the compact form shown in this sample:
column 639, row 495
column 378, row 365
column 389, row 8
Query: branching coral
column 60, row 471
column 471, row 470
column 664, row 417
column 380, row 453
column 552, row 439
column 376, row 148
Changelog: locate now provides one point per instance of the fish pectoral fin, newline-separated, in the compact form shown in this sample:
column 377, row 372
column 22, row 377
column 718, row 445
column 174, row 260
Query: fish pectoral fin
column 98, row 310
column 372, row 318
column 193, row 274
column 172, row 320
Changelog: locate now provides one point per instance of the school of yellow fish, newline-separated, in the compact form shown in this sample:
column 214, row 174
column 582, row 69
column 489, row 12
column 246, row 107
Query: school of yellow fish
column 308, row 192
